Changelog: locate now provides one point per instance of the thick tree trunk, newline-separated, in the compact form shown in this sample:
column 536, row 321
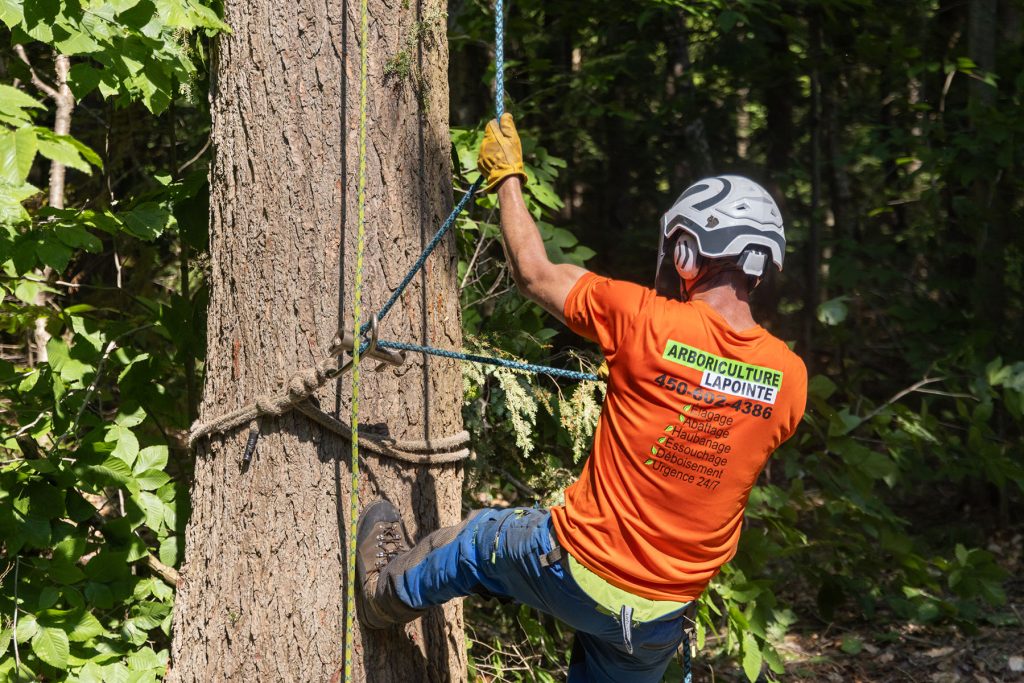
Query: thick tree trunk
column 261, row 596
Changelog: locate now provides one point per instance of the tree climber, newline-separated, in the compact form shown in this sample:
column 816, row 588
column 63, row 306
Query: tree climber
column 699, row 395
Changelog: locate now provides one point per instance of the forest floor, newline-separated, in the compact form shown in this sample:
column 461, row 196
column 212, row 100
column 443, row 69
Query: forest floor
column 876, row 652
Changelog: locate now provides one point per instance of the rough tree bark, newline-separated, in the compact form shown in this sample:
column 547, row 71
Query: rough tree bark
column 261, row 595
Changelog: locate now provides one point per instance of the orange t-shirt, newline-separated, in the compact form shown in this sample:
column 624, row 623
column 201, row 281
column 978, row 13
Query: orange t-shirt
column 693, row 410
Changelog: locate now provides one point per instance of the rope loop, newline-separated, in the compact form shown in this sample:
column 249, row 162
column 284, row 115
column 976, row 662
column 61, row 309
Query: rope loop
column 269, row 405
column 303, row 383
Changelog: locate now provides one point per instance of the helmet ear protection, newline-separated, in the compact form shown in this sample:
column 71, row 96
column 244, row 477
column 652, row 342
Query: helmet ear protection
column 687, row 257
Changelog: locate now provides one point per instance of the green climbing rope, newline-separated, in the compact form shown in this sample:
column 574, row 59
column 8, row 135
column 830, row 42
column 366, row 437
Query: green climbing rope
column 357, row 319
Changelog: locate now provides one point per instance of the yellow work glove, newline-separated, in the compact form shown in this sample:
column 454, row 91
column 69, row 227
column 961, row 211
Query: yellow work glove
column 501, row 154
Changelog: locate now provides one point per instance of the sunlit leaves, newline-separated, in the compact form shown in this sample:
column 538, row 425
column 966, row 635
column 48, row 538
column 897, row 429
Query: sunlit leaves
column 52, row 646
column 17, row 152
column 133, row 51
column 15, row 106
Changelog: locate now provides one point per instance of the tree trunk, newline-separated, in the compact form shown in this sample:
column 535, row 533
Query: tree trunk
column 261, row 595
column 990, row 232
column 812, row 268
column 65, row 106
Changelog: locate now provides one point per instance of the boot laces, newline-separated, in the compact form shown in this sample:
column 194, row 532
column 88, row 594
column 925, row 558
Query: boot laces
column 390, row 544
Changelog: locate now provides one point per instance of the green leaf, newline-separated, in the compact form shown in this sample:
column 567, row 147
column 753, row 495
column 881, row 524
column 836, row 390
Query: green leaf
column 13, row 104
column 65, row 572
column 821, row 387
column 51, row 252
column 131, row 419
column 72, row 41
column 834, row 311
column 27, row 628
column 45, row 501
column 99, row 594
column 151, row 458
column 78, row 237
column 91, row 673
column 851, row 645
column 169, row 551
column 17, row 152
column 148, row 615
column 146, row 221
column 11, row 197
column 127, row 447
column 751, row 657
column 36, row 532
column 70, row 369
column 161, row 591
column 11, row 13
column 48, row 597
column 58, row 148
column 154, row 508
column 151, row 480
column 27, row 291
column 108, row 566
column 51, row 645
column 84, row 626
column 137, row 549
column 82, row 79
column 728, row 19
column 144, row 659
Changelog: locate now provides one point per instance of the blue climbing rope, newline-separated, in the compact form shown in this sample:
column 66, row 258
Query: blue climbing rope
column 499, row 59
column 427, row 251
column 499, row 106
column 687, row 659
column 490, row 360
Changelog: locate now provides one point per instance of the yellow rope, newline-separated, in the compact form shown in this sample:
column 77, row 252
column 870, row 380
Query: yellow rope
column 357, row 318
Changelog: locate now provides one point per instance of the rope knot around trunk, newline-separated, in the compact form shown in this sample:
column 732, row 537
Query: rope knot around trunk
column 295, row 395
column 302, row 384
column 272, row 405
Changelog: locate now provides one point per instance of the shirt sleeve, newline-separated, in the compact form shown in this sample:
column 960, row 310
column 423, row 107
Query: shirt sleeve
column 602, row 309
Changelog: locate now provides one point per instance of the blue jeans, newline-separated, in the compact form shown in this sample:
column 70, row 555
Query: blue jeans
column 498, row 552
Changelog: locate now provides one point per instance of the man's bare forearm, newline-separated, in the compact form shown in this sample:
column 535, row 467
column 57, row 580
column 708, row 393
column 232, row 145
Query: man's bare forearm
column 524, row 247
column 537, row 277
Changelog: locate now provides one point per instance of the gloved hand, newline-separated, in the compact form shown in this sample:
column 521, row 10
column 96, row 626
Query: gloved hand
column 501, row 154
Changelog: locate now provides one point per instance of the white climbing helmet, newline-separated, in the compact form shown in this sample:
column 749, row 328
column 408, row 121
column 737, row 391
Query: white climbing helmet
column 726, row 216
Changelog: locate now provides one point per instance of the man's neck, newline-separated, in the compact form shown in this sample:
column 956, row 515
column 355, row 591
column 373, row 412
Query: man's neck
column 727, row 293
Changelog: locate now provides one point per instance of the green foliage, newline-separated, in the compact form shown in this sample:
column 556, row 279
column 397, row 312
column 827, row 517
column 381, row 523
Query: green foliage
column 87, row 499
column 131, row 51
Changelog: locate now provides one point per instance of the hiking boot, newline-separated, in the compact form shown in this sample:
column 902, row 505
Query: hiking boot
column 380, row 538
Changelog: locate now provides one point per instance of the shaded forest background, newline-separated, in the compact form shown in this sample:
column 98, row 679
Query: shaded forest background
column 891, row 133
